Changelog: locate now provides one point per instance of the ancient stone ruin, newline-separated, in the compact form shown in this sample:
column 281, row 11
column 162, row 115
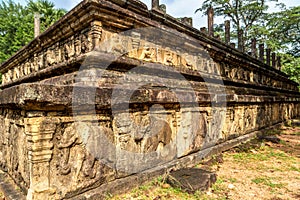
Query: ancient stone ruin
column 114, row 94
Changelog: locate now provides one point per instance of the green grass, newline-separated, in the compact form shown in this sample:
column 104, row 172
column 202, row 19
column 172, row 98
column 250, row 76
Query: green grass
column 233, row 180
column 218, row 185
column 278, row 155
column 220, row 188
column 249, row 156
column 272, row 132
column 296, row 133
column 146, row 191
column 293, row 168
column 144, row 187
column 263, row 154
column 282, row 142
column 142, row 192
column 268, row 182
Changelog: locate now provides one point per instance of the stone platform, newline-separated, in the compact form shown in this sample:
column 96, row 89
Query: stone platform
column 114, row 94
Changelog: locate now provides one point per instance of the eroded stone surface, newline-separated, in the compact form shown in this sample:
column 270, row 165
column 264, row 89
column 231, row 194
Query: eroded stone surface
column 192, row 179
column 85, row 106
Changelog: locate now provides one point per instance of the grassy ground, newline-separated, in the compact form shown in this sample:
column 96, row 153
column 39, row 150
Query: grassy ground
column 256, row 170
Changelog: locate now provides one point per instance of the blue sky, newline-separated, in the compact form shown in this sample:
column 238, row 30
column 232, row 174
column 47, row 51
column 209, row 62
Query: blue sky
column 176, row 8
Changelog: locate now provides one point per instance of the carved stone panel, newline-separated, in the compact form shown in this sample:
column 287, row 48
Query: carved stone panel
column 77, row 163
column 13, row 147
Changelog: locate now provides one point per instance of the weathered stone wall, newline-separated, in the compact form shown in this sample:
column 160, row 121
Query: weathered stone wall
column 13, row 147
column 113, row 90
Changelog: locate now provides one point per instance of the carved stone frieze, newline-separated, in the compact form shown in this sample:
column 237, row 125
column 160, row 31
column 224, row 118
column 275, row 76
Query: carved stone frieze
column 143, row 133
column 202, row 94
column 69, row 49
column 50, row 57
column 58, row 53
column 135, row 48
column 69, row 139
column 13, row 147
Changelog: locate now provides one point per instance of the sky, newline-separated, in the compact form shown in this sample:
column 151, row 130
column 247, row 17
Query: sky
column 175, row 8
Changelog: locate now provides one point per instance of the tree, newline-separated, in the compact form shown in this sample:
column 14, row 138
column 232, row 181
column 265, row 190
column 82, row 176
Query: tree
column 16, row 28
column 17, row 23
column 284, row 29
column 49, row 14
column 242, row 13
column 280, row 31
column 291, row 66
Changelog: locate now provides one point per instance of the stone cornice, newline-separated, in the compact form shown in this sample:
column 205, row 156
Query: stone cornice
column 121, row 15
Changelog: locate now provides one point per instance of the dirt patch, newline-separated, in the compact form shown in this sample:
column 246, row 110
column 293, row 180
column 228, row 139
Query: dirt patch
column 261, row 169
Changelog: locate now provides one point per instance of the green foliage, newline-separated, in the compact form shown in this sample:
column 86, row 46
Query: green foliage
column 280, row 31
column 284, row 35
column 17, row 23
column 291, row 66
column 243, row 14
column 284, row 29
column 15, row 28
column 49, row 14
